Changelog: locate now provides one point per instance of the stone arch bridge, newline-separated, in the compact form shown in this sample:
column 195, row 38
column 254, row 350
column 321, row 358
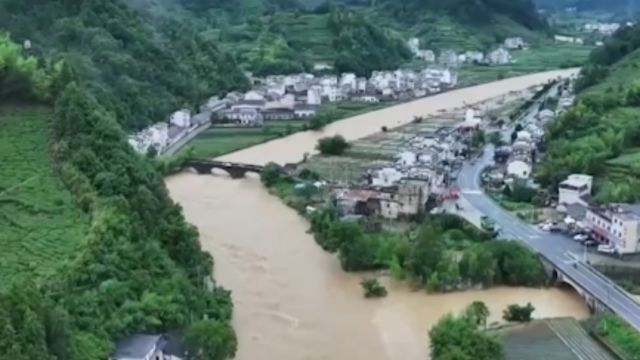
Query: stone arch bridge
column 235, row 170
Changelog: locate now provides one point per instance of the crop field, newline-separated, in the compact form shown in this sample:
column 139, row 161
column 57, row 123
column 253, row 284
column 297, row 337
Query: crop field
column 40, row 226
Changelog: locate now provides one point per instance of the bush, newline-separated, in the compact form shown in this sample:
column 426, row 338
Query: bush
column 373, row 288
column 334, row 145
column 271, row 174
column 518, row 313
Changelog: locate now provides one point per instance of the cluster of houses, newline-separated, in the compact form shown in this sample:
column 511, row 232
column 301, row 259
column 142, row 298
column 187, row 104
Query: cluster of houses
column 404, row 188
column 516, row 161
column 451, row 58
column 606, row 29
column 294, row 97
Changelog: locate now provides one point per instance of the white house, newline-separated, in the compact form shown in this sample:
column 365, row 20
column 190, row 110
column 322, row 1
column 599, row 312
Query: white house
column 371, row 99
column 181, row 118
column 302, row 111
column 245, row 116
column 568, row 39
column 314, row 97
column 407, row 159
column 253, row 96
column 426, row 55
column 546, row 115
column 414, row 45
column 499, row 56
column 448, row 58
column 386, row 177
column 348, row 80
column 519, row 169
column 574, row 188
column 514, row 43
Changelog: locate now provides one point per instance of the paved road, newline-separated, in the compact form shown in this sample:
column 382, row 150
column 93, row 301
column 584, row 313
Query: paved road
column 557, row 248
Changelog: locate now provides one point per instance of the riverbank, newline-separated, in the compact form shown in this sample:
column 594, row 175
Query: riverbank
column 294, row 301
column 280, row 150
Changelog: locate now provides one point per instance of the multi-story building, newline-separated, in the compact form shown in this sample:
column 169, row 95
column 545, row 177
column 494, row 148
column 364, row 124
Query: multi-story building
column 617, row 225
column 574, row 189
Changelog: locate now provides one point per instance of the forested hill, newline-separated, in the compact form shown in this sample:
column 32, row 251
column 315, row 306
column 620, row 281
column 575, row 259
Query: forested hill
column 600, row 135
column 523, row 12
column 623, row 7
column 140, row 69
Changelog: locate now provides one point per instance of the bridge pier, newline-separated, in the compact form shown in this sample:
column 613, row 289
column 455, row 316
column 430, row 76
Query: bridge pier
column 236, row 173
column 202, row 169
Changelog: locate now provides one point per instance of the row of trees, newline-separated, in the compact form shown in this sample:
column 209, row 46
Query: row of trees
column 444, row 254
column 140, row 269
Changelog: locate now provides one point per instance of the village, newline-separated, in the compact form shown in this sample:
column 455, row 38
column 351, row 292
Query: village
column 401, row 174
column 300, row 97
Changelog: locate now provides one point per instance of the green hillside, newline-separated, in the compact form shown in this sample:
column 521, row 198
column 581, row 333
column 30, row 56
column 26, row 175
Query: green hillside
column 40, row 224
column 601, row 133
column 92, row 246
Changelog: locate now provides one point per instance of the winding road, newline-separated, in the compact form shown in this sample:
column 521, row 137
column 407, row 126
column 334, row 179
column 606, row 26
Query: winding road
column 558, row 249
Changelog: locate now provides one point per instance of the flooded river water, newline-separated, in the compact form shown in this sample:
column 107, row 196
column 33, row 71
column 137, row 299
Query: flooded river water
column 292, row 300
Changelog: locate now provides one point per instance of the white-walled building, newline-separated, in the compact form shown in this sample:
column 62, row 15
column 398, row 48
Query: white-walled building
column 618, row 226
column 313, row 96
column 569, row 39
column 574, row 188
column 181, row 118
column 514, row 43
column 499, row 56
column 519, row 169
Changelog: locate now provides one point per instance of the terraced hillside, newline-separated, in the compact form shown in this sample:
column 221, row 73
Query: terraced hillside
column 554, row 339
column 39, row 223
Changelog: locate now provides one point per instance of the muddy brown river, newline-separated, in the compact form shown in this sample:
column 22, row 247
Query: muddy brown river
column 292, row 300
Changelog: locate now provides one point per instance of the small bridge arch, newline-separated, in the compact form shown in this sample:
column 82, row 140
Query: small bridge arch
column 235, row 170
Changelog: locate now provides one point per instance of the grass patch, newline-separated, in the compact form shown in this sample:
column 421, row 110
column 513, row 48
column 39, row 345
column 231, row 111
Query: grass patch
column 631, row 157
column 620, row 335
column 40, row 226
column 219, row 141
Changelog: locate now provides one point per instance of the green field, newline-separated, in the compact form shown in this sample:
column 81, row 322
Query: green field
column 219, row 141
column 621, row 336
column 40, row 225
column 539, row 58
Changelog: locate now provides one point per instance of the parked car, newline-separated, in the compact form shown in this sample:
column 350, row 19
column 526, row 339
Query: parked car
column 607, row 249
column 581, row 237
column 590, row 243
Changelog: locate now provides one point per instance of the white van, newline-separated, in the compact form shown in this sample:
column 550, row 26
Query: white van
column 607, row 249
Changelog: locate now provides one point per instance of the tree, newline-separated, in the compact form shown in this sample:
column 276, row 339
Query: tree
column 478, row 313
column 518, row 313
column 373, row 288
column 210, row 340
column 271, row 174
column 424, row 254
column 459, row 338
column 335, row 145
column 496, row 138
column 478, row 139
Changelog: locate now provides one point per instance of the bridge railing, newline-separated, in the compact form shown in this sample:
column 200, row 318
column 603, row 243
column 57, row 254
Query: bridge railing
column 613, row 285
